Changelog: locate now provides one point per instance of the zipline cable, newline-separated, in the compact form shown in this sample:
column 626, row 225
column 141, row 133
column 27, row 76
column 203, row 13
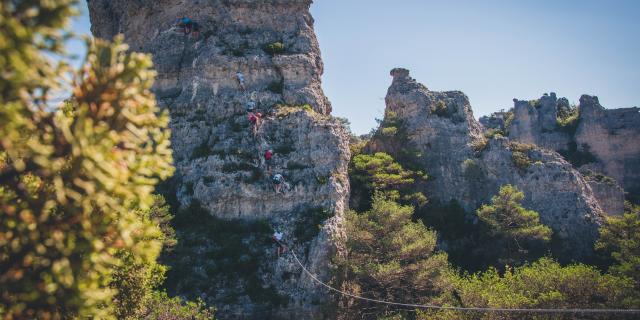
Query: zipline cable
column 426, row 306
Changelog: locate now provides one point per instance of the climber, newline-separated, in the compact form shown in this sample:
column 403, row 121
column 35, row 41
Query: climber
column 187, row 24
column 255, row 119
column 251, row 105
column 241, row 80
column 267, row 160
column 277, row 238
column 278, row 181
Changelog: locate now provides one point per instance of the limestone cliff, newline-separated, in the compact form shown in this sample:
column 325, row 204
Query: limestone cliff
column 220, row 165
column 599, row 141
column 446, row 140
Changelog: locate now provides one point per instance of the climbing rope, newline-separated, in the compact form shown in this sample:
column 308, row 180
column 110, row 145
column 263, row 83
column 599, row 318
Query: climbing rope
column 426, row 306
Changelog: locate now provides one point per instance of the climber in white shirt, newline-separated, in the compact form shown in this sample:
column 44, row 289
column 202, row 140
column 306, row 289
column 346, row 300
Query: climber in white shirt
column 277, row 238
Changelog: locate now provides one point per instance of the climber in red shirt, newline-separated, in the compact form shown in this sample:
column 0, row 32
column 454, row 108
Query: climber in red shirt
column 267, row 160
column 255, row 119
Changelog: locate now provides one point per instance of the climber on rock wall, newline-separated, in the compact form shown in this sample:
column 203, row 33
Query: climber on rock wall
column 187, row 24
column 241, row 80
column 278, row 181
column 277, row 238
column 267, row 160
column 255, row 119
column 251, row 105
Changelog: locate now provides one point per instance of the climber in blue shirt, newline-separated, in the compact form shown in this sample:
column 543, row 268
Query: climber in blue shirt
column 187, row 24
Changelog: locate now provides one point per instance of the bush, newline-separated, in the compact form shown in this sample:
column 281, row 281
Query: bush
column 567, row 120
column 70, row 182
column 274, row 48
column 162, row 307
column 519, row 154
column 440, row 109
column 542, row 284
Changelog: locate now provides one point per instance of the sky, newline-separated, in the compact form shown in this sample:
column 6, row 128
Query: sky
column 491, row 50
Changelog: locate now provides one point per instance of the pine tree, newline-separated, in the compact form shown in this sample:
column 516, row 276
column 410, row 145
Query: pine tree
column 513, row 224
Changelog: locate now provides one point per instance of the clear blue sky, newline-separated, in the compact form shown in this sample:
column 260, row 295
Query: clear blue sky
column 492, row 50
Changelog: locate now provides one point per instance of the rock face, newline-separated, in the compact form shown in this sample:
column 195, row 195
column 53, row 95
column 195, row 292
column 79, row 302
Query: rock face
column 606, row 140
column 465, row 167
column 220, row 163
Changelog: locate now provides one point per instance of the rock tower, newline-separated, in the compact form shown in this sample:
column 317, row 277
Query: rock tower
column 220, row 165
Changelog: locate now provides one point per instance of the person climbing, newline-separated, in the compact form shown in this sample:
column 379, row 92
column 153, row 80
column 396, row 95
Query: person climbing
column 187, row 24
column 277, row 238
column 278, row 181
column 267, row 160
column 255, row 118
column 251, row 105
column 241, row 80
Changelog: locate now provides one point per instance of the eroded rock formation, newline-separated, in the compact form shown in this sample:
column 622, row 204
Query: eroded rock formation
column 446, row 140
column 220, row 168
column 597, row 140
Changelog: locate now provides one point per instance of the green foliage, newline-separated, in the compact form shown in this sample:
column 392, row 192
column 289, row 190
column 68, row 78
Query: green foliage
column 285, row 110
column 380, row 173
column 514, row 224
column 480, row 144
column 508, row 120
column 213, row 253
column 135, row 280
column 577, row 157
column 543, row 284
column 392, row 134
column 274, row 48
column 391, row 257
column 68, row 184
column 493, row 133
column 620, row 238
column 567, row 120
column 310, row 223
column 440, row 109
column 520, row 154
column 162, row 307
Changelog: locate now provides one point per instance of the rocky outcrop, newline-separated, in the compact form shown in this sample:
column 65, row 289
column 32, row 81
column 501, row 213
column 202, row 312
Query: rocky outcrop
column 449, row 144
column 607, row 141
column 613, row 137
column 219, row 161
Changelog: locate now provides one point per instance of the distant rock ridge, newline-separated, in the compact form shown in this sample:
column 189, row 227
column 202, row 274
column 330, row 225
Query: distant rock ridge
column 220, row 164
column 464, row 166
column 596, row 140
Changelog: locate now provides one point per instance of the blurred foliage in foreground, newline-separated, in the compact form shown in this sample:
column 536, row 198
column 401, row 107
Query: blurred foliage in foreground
column 78, row 234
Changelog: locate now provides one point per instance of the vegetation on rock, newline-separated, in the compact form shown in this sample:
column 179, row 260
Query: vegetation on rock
column 516, row 226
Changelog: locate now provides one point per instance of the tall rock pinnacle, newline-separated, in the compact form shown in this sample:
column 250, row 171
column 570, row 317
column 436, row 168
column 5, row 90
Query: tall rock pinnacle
column 249, row 55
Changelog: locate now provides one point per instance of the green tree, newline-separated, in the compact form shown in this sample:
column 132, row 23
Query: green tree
column 543, row 284
column 69, row 185
column 134, row 280
column 380, row 173
column 620, row 238
column 516, row 226
column 390, row 257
